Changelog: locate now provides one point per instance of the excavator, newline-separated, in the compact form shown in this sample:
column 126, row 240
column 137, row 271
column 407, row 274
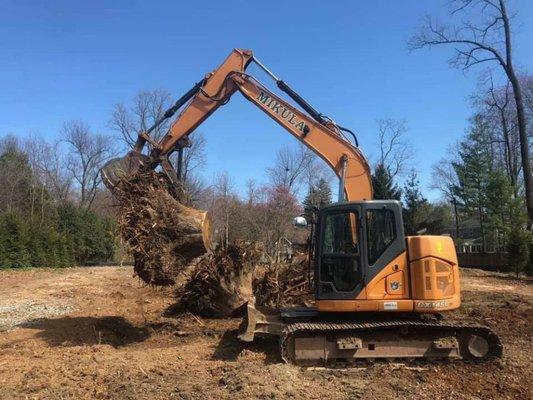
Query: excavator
column 377, row 293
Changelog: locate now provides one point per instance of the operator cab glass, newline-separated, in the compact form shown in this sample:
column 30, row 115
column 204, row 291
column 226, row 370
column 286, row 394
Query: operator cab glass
column 340, row 253
column 354, row 242
column 380, row 232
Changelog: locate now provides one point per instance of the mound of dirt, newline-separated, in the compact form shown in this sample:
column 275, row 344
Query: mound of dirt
column 163, row 235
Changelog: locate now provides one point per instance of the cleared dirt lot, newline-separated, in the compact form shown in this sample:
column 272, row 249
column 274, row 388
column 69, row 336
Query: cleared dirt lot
column 100, row 333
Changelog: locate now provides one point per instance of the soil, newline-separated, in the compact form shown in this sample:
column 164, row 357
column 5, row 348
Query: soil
column 100, row 333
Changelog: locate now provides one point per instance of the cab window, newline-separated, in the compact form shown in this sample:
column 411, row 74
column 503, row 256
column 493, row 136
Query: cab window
column 381, row 232
column 340, row 233
column 339, row 263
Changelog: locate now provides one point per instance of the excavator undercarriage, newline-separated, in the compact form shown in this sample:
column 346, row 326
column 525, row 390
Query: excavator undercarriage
column 310, row 338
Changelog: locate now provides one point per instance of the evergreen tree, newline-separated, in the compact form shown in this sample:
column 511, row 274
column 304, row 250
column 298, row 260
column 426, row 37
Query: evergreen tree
column 518, row 247
column 419, row 214
column 415, row 205
column 13, row 242
column 503, row 211
column 16, row 178
column 383, row 185
column 474, row 171
column 34, row 230
column 90, row 238
column 319, row 195
column 47, row 248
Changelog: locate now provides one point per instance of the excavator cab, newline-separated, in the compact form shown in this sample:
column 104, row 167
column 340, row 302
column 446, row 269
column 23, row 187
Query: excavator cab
column 353, row 242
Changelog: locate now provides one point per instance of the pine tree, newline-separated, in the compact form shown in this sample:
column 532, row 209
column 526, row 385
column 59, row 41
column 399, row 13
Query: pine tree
column 518, row 248
column 91, row 238
column 415, row 205
column 383, row 185
column 473, row 172
column 319, row 195
column 13, row 242
column 503, row 211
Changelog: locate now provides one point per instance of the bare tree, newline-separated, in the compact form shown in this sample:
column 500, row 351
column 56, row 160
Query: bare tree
column 443, row 175
column 496, row 106
column 484, row 37
column 252, row 192
column 290, row 166
column 527, row 84
column 444, row 179
column 146, row 108
column 48, row 164
column 193, row 156
column 395, row 151
column 224, row 198
column 87, row 153
column 295, row 167
column 195, row 187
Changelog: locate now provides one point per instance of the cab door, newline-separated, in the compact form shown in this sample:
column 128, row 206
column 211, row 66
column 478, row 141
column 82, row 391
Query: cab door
column 384, row 236
column 339, row 269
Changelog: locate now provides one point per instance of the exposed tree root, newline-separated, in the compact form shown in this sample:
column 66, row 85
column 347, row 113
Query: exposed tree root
column 163, row 234
column 221, row 283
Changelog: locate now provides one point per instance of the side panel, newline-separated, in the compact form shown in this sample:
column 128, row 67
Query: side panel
column 364, row 305
column 392, row 282
column 434, row 273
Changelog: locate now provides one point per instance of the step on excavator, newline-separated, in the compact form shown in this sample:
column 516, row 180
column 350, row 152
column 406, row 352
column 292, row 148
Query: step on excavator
column 377, row 293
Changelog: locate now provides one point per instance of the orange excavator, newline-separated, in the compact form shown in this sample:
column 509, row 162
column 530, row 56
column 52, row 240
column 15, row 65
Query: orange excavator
column 378, row 293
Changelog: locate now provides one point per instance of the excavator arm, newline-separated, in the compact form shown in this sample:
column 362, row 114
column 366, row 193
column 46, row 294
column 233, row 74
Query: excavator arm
column 321, row 135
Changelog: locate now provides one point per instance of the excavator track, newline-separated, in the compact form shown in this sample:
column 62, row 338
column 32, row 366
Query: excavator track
column 326, row 343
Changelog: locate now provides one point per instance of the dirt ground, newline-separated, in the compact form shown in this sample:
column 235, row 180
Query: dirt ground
column 98, row 333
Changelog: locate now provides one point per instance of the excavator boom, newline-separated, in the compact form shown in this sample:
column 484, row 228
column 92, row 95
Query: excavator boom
column 324, row 137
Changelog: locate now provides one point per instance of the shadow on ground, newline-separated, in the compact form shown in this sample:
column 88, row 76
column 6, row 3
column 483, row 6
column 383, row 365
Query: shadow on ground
column 230, row 347
column 76, row 331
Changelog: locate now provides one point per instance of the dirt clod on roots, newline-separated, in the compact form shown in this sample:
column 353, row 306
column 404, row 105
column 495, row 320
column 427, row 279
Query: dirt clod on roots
column 163, row 234
column 222, row 282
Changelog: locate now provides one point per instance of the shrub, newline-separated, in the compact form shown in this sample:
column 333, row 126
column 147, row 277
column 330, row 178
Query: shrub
column 72, row 236
column 13, row 242
column 47, row 248
column 91, row 239
column 518, row 248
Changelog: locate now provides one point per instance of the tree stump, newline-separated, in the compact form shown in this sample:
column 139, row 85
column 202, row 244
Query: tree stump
column 163, row 235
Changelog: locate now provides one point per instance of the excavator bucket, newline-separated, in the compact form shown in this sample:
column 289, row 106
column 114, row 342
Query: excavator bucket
column 121, row 168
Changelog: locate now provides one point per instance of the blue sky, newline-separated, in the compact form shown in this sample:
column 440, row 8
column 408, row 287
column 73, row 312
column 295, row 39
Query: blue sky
column 67, row 60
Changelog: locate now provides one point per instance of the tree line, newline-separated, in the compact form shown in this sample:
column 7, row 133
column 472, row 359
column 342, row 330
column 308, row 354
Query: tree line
column 55, row 212
column 43, row 223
